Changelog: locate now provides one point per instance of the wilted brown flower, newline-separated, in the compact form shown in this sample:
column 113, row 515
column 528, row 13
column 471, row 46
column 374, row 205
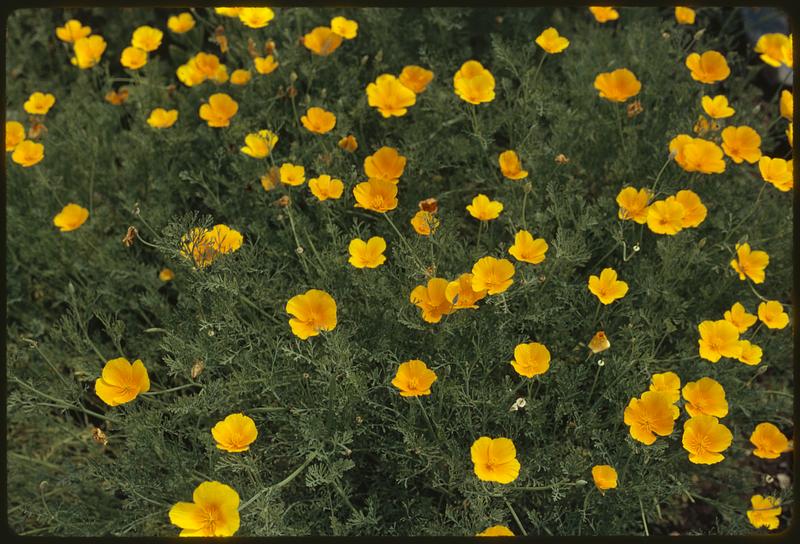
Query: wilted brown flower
column 634, row 109
column 36, row 130
column 129, row 237
column 561, row 159
column 220, row 39
column 99, row 436
column 430, row 205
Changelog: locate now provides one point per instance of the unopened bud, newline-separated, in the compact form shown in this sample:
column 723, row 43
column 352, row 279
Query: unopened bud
column 197, row 368
column 519, row 403
column 580, row 482
column 299, row 250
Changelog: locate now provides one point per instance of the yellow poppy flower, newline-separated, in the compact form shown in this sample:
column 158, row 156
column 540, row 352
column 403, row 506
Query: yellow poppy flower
column 219, row 110
column 527, row 249
column 386, row 164
column 617, row 86
column 432, row 300
column 772, row 315
column 699, row 155
column 706, row 396
column 322, row 41
column 312, row 311
column 133, row 58
column 460, row 293
column 492, row 275
column 604, row 14
column 318, row 120
column 668, row 383
column 147, row 38
column 770, row 48
column 345, row 28
column 750, row 264
column 484, row 209
column 605, row 477
column 348, row 143
column 213, row 512
column 88, row 51
column 293, row 175
column 684, row 15
column 787, row 105
column 183, row 22
column 28, row 153
column 551, row 41
column 607, row 288
column 324, row 187
column 377, row 195
column 769, row 441
column 265, row 65
column 390, row 96
column 415, row 78
column 717, row 107
column 531, row 359
column 710, row 67
column 739, row 318
column 424, row 223
column 414, row 378
column 367, row 254
column 72, row 31
column 121, row 381
column 741, row 144
column 694, row 211
column 496, row 530
column 633, row 204
column 778, row 172
column 166, row 274
column 650, row 415
column 473, row 83
column 495, row 460
column 765, row 513
column 71, row 217
column 241, row 77
column 510, row 165
column 15, row 133
column 39, row 103
column 751, row 353
column 704, row 437
column 260, row 144
column 718, row 339
column 256, row 17
column 235, row 433
column 666, row 216
column 161, row 118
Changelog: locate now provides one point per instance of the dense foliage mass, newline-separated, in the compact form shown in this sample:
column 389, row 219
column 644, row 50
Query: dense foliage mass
column 506, row 301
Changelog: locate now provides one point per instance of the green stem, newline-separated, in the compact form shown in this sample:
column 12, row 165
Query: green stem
column 658, row 176
column 516, row 518
column 408, row 246
column 170, row 390
column 524, row 202
column 280, row 484
column 64, row 404
column 296, row 239
column 480, row 231
column 539, row 67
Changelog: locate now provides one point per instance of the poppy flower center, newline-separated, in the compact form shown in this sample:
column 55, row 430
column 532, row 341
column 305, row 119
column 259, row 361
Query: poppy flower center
column 413, row 383
column 212, row 517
